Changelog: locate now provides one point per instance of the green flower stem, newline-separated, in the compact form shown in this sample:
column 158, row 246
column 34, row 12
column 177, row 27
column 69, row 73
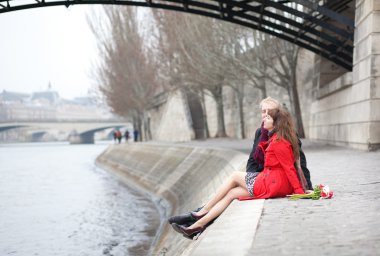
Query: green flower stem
column 315, row 195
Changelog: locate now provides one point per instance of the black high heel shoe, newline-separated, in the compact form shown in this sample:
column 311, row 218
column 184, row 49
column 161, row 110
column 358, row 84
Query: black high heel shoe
column 197, row 217
column 177, row 228
column 185, row 219
column 181, row 219
column 190, row 231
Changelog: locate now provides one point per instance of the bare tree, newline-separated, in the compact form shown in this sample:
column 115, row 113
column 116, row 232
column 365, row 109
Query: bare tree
column 172, row 65
column 245, row 68
column 201, row 57
column 198, row 54
column 279, row 66
column 285, row 70
column 249, row 61
column 125, row 74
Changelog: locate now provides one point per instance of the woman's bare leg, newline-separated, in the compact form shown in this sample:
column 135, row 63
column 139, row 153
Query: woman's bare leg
column 237, row 179
column 221, row 205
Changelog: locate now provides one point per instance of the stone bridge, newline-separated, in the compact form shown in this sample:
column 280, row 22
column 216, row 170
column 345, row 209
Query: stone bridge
column 79, row 132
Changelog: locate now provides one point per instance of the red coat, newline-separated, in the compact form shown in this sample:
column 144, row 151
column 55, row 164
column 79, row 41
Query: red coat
column 279, row 177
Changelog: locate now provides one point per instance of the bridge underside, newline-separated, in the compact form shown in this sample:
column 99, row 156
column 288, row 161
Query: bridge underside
column 37, row 136
column 76, row 133
column 318, row 28
column 88, row 136
column 5, row 128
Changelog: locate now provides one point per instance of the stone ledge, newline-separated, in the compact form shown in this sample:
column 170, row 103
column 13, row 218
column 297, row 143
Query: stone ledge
column 336, row 85
column 173, row 176
column 236, row 227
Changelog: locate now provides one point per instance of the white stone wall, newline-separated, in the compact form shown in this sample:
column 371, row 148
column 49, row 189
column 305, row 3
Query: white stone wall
column 231, row 112
column 251, row 102
column 253, row 97
column 347, row 110
column 366, row 71
column 251, row 110
column 170, row 122
column 212, row 119
column 305, row 86
column 171, row 114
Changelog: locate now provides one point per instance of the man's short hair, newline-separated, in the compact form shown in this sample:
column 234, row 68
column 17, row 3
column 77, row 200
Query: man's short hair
column 270, row 100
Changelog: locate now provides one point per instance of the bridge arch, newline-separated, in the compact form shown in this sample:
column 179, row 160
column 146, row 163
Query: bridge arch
column 10, row 127
column 318, row 28
column 87, row 137
column 78, row 132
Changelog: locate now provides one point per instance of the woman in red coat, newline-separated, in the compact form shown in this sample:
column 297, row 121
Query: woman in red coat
column 278, row 179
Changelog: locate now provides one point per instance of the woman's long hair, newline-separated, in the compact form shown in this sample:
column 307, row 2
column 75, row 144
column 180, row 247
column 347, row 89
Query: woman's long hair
column 284, row 128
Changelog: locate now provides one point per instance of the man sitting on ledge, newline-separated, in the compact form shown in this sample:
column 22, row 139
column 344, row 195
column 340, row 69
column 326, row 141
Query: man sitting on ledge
column 283, row 173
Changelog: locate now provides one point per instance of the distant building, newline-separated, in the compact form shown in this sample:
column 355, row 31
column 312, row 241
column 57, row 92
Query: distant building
column 7, row 97
column 48, row 105
column 45, row 98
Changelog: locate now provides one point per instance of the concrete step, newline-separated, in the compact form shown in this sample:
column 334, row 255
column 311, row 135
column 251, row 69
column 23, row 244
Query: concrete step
column 232, row 233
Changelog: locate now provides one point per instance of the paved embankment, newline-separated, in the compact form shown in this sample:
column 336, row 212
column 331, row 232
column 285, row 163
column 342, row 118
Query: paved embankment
column 187, row 175
column 348, row 224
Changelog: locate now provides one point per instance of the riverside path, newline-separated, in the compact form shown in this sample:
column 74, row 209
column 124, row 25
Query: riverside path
column 348, row 224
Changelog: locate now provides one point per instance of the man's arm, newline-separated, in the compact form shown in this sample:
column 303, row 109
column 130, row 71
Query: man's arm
column 252, row 166
column 305, row 171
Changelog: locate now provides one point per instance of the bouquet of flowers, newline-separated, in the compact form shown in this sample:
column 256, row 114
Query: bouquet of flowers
column 320, row 191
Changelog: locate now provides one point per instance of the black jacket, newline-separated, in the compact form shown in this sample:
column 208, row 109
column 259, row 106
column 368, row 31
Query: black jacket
column 252, row 166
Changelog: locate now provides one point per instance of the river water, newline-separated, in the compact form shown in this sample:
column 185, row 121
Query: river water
column 55, row 201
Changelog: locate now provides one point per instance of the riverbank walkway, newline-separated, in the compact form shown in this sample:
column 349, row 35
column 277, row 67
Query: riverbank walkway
column 348, row 224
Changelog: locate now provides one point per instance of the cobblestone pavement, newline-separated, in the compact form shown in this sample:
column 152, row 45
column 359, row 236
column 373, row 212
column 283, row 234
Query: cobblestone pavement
column 348, row 224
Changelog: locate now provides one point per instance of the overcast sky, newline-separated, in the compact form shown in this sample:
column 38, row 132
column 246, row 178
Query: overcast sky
column 50, row 44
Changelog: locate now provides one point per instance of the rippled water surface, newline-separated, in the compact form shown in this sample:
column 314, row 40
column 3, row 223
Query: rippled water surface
column 54, row 201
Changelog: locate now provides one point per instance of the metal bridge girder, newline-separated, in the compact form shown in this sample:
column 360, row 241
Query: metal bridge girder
column 309, row 27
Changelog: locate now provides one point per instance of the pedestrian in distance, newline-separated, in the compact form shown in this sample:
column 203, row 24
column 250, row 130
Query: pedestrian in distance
column 135, row 135
column 114, row 136
column 117, row 136
column 126, row 135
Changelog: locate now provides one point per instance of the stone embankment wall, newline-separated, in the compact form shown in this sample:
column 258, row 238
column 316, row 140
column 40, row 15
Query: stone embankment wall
column 178, row 179
column 170, row 119
column 346, row 111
